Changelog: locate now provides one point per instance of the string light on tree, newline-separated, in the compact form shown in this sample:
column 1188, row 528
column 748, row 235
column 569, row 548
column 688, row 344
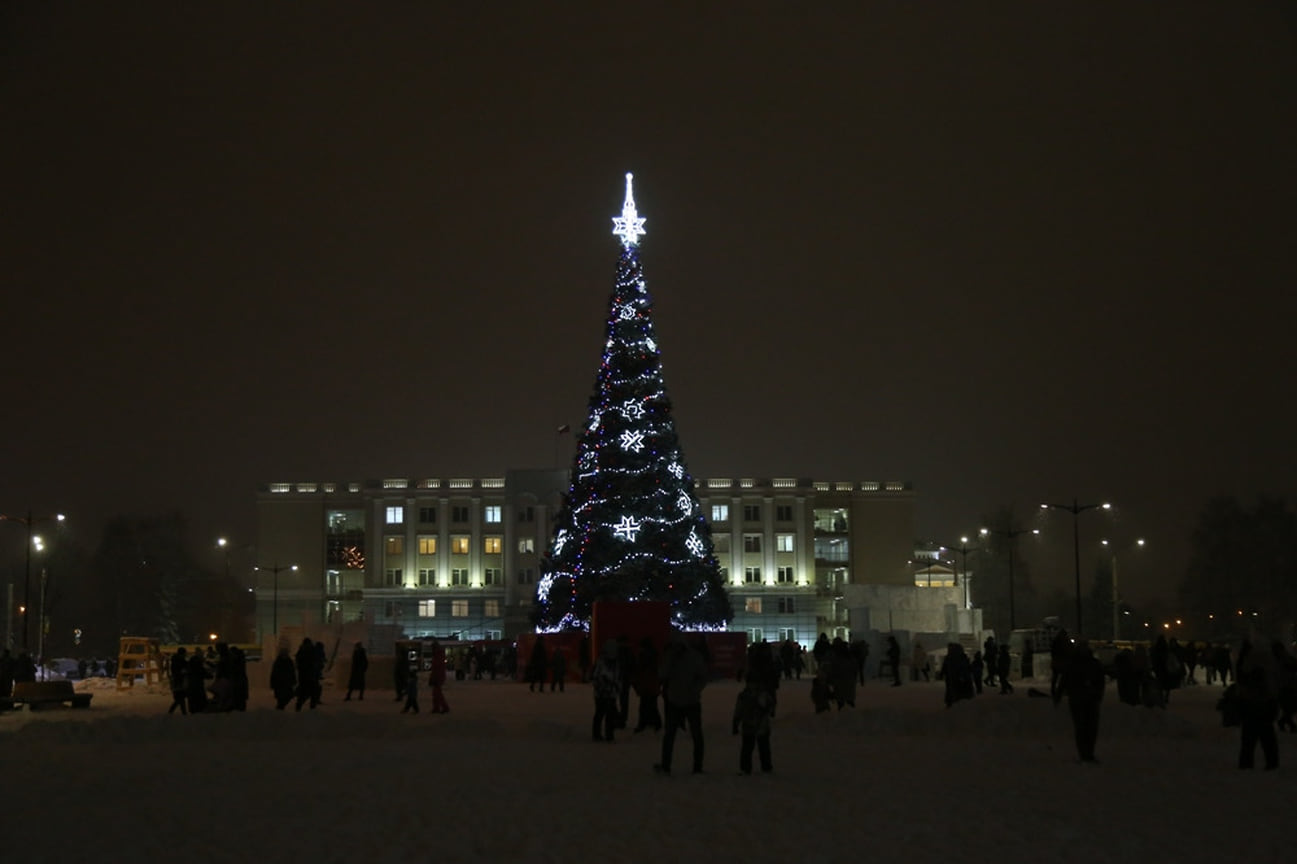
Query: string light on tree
column 630, row 526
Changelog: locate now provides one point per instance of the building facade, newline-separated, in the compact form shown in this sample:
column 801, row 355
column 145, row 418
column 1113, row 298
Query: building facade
column 460, row 557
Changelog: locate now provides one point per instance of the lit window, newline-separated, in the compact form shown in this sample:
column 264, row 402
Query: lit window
column 459, row 608
column 785, row 575
column 720, row 512
column 492, row 545
column 526, row 545
column 492, row 609
column 783, row 542
column 395, row 515
column 751, row 542
column 459, row 545
column 394, row 545
column 427, row 545
column 458, row 576
column 753, row 605
column 427, row 608
column 491, row 514
column 752, row 575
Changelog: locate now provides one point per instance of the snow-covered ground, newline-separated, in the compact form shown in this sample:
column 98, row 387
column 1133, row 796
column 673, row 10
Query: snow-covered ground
column 514, row 776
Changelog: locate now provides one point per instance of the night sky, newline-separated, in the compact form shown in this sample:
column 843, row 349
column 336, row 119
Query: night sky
column 1009, row 252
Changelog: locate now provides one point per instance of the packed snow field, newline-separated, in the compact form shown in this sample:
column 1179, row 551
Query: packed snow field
column 511, row 775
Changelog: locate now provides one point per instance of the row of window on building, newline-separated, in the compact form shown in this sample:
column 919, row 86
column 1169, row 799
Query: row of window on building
column 829, row 520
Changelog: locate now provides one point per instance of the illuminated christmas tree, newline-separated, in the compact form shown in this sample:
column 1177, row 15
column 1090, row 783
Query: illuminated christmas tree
column 630, row 527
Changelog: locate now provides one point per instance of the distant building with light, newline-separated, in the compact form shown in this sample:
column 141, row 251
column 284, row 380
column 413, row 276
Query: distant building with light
column 459, row 557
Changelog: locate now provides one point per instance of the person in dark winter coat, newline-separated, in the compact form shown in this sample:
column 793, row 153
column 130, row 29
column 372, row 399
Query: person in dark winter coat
column 753, row 709
column 400, row 675
column 1257, row 677
column 179, row 666
column 647, row 686
column 538, row 665
column 978, row 668
column 437, row 679
column 1083, row 683
column 957, row 672
column 684, row 675
column 283, row 679
column 356, row 680
column 606, row 681
column 1003, row 664
column 308, row 677
column 991, row 654
column 1286, row 666
column 412, row 689
column 820, row 692
column 842, row 673
column 558, row 669
column 894, row 659
column 195, row 682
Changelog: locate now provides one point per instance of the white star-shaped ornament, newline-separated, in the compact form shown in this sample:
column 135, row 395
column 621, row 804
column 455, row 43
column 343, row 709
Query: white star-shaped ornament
column 626, row 529
column 626, row 312
column 629, row 226
column 632, row 440
column 631, row 409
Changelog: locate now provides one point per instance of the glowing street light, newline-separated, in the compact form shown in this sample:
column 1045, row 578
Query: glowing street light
column 29, row 520
column 1076, row 510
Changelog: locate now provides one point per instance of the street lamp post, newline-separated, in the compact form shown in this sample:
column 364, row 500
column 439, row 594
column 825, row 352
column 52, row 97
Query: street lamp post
column 1012, row 535
column 1076, row 510
column 963, row 549
column 29, row 521
column 1116, row 598
column 276, row 569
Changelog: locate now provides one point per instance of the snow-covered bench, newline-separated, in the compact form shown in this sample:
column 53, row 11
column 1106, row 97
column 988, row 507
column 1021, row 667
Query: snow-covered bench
column 39, row 694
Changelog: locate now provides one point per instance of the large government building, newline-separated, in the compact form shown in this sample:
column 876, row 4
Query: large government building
column 460, row 557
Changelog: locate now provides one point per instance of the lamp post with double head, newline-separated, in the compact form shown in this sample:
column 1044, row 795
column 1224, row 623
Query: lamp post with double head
column 1076, row 510
column 276, row 569
column 1116, row 598
column 1012, row 535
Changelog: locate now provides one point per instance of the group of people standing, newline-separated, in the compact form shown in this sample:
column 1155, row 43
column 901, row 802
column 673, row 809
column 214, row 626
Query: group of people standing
column 224, row 665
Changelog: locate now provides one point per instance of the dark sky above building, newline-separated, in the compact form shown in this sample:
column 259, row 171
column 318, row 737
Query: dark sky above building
column 1011, row 254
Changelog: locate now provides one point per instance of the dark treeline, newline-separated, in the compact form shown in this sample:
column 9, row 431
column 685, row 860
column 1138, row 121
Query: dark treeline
column 143, row 579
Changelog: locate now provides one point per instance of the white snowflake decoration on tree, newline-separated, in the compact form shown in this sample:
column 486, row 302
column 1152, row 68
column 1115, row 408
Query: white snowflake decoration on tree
column 626, row 312
column 695, row 544
column 631, row 409
column 626, row 529
column 629, row 226
column 677, row 470
column 559, row 540
column 632, row 440
column 594, row 423
column 685, row 505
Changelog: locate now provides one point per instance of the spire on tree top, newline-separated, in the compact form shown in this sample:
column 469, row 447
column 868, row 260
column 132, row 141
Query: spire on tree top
column 628, row 226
